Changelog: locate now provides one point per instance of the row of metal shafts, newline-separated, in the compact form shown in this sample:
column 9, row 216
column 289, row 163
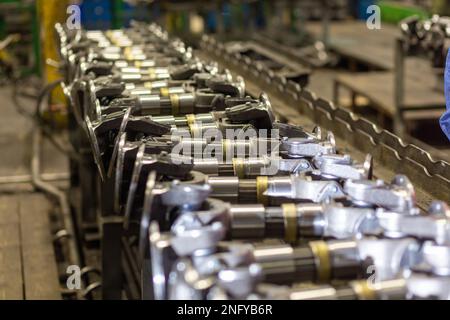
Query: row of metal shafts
column 118, row 84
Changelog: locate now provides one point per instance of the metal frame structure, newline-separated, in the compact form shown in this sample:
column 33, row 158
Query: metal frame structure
column 389, row 150
column 400, row 56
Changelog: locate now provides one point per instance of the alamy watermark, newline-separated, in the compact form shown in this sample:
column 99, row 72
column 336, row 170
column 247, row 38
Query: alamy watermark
column 73, row 21
column 372, row 279
column 373, row 22
column 73, row 281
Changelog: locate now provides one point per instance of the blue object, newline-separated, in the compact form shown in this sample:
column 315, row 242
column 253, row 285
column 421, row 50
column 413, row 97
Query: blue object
column 260, row 15
column 130, row 12
column 362, row 9
column 211, row 21
column 226, row 14
column 96, row 14
column 139, row 12
column 445, row 119
column 246, row 13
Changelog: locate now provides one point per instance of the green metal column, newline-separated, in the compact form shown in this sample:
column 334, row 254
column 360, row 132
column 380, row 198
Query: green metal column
column 117, row 7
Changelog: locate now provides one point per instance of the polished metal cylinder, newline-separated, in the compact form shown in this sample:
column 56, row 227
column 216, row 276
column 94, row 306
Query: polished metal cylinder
column 167, row 120
column 247, row 191
column 207, row 166
column 247, row 222
column 345, row 261
column 151, row 102
column 280, row 186
column 130, row 77
column 310, row 220
column 186, row 103
column 140, row 92
column 283, row 264
column 199, row 130
column 226, row 169
column 324, row 292
column 318, row 261
column 290, row 222
column 224, row 188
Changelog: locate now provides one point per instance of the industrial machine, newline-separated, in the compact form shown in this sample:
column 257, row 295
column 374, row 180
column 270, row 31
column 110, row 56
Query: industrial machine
column 198, row 186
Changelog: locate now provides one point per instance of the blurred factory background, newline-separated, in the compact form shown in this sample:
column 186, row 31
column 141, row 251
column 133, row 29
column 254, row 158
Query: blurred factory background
column 329, row 36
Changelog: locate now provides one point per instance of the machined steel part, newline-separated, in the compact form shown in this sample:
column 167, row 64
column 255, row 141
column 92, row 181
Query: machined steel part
column 227, row 226
column 336, row 259
column 264, row 188
column 240, row 268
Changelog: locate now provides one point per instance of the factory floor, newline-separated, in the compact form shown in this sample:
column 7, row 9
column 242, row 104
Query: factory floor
column 28, row 268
